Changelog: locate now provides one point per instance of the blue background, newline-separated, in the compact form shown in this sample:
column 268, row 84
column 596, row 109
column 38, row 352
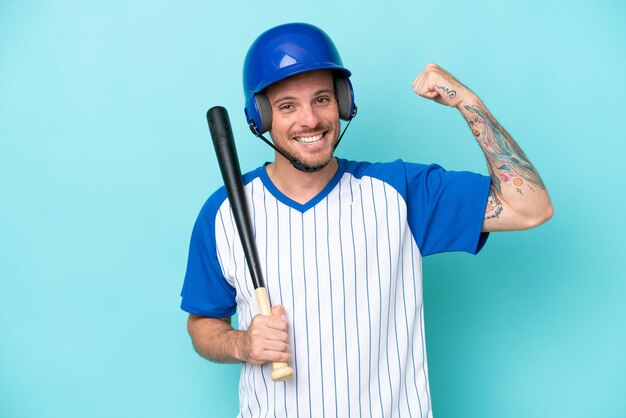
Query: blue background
column 105, row 160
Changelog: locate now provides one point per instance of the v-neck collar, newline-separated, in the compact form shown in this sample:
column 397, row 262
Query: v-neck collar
column 267, row 182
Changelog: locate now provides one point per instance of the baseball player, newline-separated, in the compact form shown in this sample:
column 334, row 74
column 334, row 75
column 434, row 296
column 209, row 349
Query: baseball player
column 341, row 242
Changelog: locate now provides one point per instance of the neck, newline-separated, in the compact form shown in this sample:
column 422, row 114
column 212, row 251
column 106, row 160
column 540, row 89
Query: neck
column 297, row 185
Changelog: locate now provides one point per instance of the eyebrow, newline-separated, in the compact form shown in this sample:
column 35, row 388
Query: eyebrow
column 317, row 93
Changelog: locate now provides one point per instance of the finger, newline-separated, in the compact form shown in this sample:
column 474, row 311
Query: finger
column 278, row 320
column 418, row 82
column 271, row 334
column 432, row 94
column 279, row 311
column 425, row 85
column 428, row 69
column 419, row 78
column 270, row 325
column 258, row 345
column 265, row 319
column 277, row 346
column 266, row 324
column 264, row 351
column 427, row 89
column 276, row 356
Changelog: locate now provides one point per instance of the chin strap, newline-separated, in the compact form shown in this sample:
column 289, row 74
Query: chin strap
column 294, row 161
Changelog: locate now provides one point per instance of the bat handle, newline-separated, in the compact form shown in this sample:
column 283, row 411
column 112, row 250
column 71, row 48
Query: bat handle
column 281, row 371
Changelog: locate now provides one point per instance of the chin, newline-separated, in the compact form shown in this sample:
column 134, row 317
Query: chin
column 314, row 162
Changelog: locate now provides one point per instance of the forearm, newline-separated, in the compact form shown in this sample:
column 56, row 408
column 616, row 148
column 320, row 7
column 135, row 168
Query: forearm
column 514, row 179
column 215, row 339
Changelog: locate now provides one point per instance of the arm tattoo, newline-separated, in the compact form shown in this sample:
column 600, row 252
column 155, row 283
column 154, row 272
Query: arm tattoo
column 507, row 157
column 451, row 93
column 494, row 206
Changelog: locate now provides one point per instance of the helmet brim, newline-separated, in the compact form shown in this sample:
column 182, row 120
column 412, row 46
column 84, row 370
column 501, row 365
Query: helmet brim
column 289, row 71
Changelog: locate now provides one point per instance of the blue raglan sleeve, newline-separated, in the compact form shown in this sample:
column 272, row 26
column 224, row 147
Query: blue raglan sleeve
column 446, row 209
column 205, row 290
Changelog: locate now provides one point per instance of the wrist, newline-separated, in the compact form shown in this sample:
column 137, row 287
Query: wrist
column 238, row 343
column 469, row 99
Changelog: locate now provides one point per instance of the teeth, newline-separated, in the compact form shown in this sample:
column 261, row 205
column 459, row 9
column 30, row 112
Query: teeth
column 308, row 139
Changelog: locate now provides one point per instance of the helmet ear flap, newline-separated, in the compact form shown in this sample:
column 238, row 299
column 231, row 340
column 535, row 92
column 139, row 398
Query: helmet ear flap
column 345, row 98
column 265, row 112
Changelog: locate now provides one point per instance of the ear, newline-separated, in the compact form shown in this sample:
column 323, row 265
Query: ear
column 265, row 112
column 345, row 98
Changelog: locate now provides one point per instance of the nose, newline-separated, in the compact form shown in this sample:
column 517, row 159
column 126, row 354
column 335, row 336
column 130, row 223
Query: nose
column 309, row 117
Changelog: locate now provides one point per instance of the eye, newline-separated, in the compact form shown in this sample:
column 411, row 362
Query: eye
column 285, row 107
column 323, row 100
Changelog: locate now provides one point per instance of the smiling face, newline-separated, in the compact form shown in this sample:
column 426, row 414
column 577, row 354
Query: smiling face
column 305, row 117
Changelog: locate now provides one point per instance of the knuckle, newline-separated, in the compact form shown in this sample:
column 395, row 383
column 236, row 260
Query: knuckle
column 256, row 353
column 281, row 357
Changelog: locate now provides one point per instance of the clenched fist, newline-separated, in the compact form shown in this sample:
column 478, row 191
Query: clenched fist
column 266, row 338
column 437, row 84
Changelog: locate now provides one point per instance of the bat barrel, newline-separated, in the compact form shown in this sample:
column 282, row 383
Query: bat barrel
column 224, row 143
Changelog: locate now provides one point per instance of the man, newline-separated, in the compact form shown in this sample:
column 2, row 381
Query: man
column 341, row 242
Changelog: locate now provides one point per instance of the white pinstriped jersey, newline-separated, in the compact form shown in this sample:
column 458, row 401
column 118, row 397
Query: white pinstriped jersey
column 347, row 268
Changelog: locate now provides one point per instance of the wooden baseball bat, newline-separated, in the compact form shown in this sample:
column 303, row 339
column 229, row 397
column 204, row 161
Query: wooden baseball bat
column 222, row 135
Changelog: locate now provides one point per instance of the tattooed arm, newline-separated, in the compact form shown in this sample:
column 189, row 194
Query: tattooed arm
column 518, row 198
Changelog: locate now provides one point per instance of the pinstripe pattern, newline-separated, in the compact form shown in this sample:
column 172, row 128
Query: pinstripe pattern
column 348, row 272
column 343, row 293
column 356, row 322
column 332, row 302
column 364, row 255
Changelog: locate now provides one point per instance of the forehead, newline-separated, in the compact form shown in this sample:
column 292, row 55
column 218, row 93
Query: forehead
column 311, row 81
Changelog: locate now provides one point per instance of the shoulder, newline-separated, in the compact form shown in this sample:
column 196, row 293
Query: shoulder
column 396, row 173
column 385, row 170
column 216, row 201
column 415, row 179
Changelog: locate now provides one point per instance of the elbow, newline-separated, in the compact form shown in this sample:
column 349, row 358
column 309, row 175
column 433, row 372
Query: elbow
column 196, row 331
column 540, row 216
column 549, row 213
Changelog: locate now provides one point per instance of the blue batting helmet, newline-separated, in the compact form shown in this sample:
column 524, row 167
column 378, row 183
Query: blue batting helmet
column 287, row 50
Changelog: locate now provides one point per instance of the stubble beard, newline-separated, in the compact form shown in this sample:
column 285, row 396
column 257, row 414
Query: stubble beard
column 318, row 158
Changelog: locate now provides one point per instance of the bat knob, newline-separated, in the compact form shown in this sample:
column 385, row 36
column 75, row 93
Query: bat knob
column 281, row 372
